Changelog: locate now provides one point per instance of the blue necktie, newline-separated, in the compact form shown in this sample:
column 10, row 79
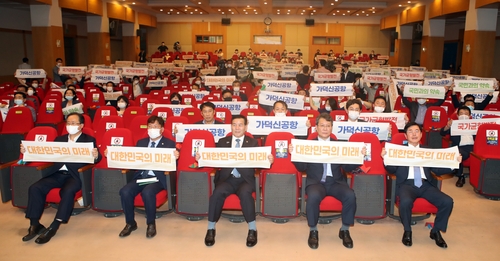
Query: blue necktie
column 144, row 173
column 417, row 177
column 235, row 172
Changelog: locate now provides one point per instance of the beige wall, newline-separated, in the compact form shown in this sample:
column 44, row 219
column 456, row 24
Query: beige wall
column 170, row 33
column 496, row 60
column 366, row 38
column 297, row 37
column 237, row 38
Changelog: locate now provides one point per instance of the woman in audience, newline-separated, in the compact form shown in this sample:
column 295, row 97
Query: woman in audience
column 122, row 103
column 70, row 98
column 175, row 98
column 32, row 96
column 330, row 104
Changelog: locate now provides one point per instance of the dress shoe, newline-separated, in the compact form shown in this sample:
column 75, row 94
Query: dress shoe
column 460, row 182
column 210, row 237
column 128, row 229
column 251, row 238
column 313, row 240
column 407, row 238
column 346, row 238
column 151, row 231
column 46, row 236
column 436, row 236
column 33, row 231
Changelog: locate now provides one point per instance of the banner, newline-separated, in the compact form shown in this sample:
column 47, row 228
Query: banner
column 202, row 56
column 344, row 129
column 160, row 159
column 176, row 108
column 286, row 86
column 111, row 96
column 337, row 152
column 133, row 71
column 330, row 89
column 433, row 75
column 208, row 71
column 105, row 78
column 429, row 92
column 78, row 108
column 218, row 130
column 265, row 75
column 470, row 127
column 418, row 68
column 400, row 83
column 479, row 97
column 326, row 77
column 383, row 57
column 288, row 73
column 219, row 80
column 292, row 100
column 384, row 79
column 234, row 106
column 157, row 60
column 473, row 86
column 459, row 77
column 477, row 114
column 197, row 95
column 30, row 73
column 141, row 65
column 263, row 125
column 399, row 155
column 256, row 157
column 157, row 83
column 396, row 117
column 124, row 63
column 409, row 75
column 78, row 152
column 439, row 82
column 192, row 67
column 104, row 71
column 72, row 70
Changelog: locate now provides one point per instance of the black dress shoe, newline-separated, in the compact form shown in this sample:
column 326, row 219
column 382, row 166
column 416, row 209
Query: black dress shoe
column 439, row 239
column 460, row 182
column 151, row 231
column 33, row 231
column 46, row 236
column 346, row 238
column 407, row 238
column 251, row 238
column 313, row 240
column 210, row 237
column 128, row 229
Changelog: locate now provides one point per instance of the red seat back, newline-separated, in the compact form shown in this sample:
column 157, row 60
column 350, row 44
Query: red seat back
column 435, row 118
column 104, row 111
column 19, row 120
column 192, row 114
column 163, row 112
column 50, row 112
column 373, row 160
column 114, row 137
column 338, row 115
column 130, row 113
column 223, row 114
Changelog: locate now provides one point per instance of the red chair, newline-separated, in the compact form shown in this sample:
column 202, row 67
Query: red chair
column 435, row 119
column 210, row 97
column 54, row 94
column 338, row 115
column 485, row 162
column 192, row 114
column 102, row 112
column 141, row 99
column 394, row 130
column 94, row 98
column 50, row 114
column 252, row 112
column 174, row 120
column 130, row 113
column 163, row 112
column 18, row 123
column 223, row 114
column 105, row 124
column 139, row 127
column 189, row 99
column 148, row 105
column 400, row 107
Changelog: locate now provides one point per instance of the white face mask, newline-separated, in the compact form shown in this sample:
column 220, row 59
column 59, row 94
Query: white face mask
column 198, row 82
column 18, row 101
column 223, row 88
column 136, row 82
column 236, row 89
column 59, row 64
column 353, row 115
column 72, row 129
column 463, row 117
column 379, row 109
column 69, row 98
column 122, row 105
column 30, row 92
column 34, row 85
column 328, row 108
column 280, row 114
column 154, row 133
column 109, row 89
column 421, row 101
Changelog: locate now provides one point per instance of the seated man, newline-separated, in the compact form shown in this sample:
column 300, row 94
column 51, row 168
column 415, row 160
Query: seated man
column 20, row 101
column 237, row 92
column 327, row 180
column 280, row 109
column 208, row 113
column 417, row 182
column 418, row 108
column 234, row 180
column 227, row 95
column 64, row 176
column 132, row 189
column 353, row 109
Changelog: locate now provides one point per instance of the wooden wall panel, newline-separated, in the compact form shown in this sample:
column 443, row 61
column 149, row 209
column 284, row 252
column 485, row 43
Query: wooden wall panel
column 129, row 15
column 80, row 5
column 389, row 22
column 212, row 28
column 432, row 58
column 153, row 21
column 95, row 7
column 416, row 14
column 402, row 54
column 479, row 61
column 259, row 29
column 143, row 19
column 116, row 11
column 435, row 8
column 455, row 6
column 481, row 3
column 403, row 17
column 130, row 48
column 45, row 46
column 100, row 45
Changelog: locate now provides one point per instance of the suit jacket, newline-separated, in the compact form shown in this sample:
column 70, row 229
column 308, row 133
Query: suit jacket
column 162, row 143
column 314, row 171
column 349, row 78
column 73, row 167
column 246, row 173
column 243, row 96
column 477, row 105
column 413, row 106
column 224, row 71
column 455, row 140
column 215, row 122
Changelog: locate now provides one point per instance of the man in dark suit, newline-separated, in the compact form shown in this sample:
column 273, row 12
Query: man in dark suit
column 208, row 113
column 346, row 76
column 64, row 176
column 129, row 192
column 228, row 70
column 327, row 180
column 418, row 182
column 353, row 109
column 240, row 181
column 418, row 108
column 237, row 91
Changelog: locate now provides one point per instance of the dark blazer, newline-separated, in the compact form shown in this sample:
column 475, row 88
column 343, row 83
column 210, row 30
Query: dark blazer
column 243, row 96
column 73, row 167
column 215, row 122
column 65, row 102
column 349, row 78
column 162, row 143
column 413, row 105
column 224, row 71
column 477, row 106
column 302, row 79
column 455, row 140
column 246, row 173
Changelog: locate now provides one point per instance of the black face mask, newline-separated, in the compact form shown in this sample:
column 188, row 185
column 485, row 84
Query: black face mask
column 175, row 102
column 228, row 99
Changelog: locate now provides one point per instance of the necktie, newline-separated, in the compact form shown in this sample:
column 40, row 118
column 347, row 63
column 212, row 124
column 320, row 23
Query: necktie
column 144, row 173
column 325, row 171
column 417, row 177
column 153, row 144
column 235, row 172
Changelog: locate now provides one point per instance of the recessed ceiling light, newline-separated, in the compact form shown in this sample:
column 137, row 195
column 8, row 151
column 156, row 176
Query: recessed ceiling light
column 409, row 2
column 177, row 12
column 222, row 12
column 191, row 13
column 373, row 12
column 201, row 12
column 185, row 10
column 363, row 12
column 218, row 10
column 288, row 10
column 254, row 10
column 333, row 13
column 186, row 6
column 338, row 11
column 399, row 5
column 367, row 15
column 332, row 4
column 343, row 14
column 348, row 11
column 199, row 3
column 310, row 6
column 232, row 12
column 314, row 11
column 168, row 13
column 161, row 10
column 248, row 6
column 133, row 3
column 278, row 10
column 229, row 10
column 196, row 10
column 357, row 14
column 171, row 10
column 265, row 3
column 373, row 7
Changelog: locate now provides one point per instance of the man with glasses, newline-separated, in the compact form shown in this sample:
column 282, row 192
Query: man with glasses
column 64, row 176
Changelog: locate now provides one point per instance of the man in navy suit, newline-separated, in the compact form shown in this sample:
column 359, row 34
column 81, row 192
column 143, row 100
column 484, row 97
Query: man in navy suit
column 64, row 176
column 347, row 76
column 208, row 113
column 327, row 180
column 132, row 189
column 417, row 182
column 240, row 181
column 237, row 91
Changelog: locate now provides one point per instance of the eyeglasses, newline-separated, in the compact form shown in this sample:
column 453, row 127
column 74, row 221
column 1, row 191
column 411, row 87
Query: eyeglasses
column 73, row 123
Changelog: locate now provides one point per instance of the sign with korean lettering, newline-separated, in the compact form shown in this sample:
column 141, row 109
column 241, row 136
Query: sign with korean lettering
column 473, row 86
column 72, row 70
column 30, row 73
column 97, row 71
column 292, row 100
column 160, row 159
column 330, row 89
column 256, row 157
column 263, row 125
column 141, row 65
column 429, row 92
column 197, row 95
column 326, row 77
column 470, row 127
column 219, row 80
column 133, row 71
column 396, row 117
column 176, row 108
column 384, row 79
column 111, row 96
column 418, row 68
column 479, row 97
column 439, row 82
column 409, row 75
column 124, row 63
column 78, row 108
column 202, row 56
column 218, row 130
column 157, row 83
column 459, row 77
column 287, row 73
column 399, row 155
column 78, row 152
column 344, row 129
column 105, row 78
column 265, row 75
column 315, row 151
column 400, row 83
column 286, row 86
column 234, row 107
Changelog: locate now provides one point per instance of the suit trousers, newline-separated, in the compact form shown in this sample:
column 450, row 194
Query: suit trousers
column 148, row 193
column 339, row 190
column 408, row 193
column 37, row 195
column 465, row 152
column 230, row 186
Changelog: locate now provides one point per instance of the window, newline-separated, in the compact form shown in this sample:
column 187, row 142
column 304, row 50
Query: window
column 213, row 39
column 333, row 40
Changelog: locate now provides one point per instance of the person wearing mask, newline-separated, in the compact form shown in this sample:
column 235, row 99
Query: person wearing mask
column 303, row 77
column 55, row 71
column 227, row 95
column 347, row 76
column 353, row 109
column 237, row 91
column 122, row 104
column 25, row 64
column 70, row 98
column 208, row 114
column 280, row 109
column 372, row 55
column 469, row 101
column 36, row 84
column 330, row 104
column 162, row 48
column 137, row 87
column 33, row 96
column 175, row 98
column 20, row 101
column 418, row 108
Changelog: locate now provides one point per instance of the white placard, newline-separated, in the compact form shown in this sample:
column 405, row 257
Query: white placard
column 479, row 97
column 30, row 73
column 265, row 75
column 286, row 86
column 326, row 77
column 473, row 86
column 399, row 155
column 400, row 83
column 218, row 130
column 470, row 126
column 159, row 159
column 288, row 73
column 429, row 92
column 124, row 63
column 219, row 80
column 292, row 100
column 111, row 96
column 78, row 108
column 157, row 83
column 72, row 70
column 439, row 82
column 331, row 89
column 409, row 75
column 105, row 78
column 257, row 157
column 197, row 95
column 396, row 117
column 337, row 152
column 97, row 71
column 176, row 108
column 263, row 125
column 384, row 79
column 477, row 114
column 78, row 152
column 344, row 129
column 234, row 106
column 134, row 71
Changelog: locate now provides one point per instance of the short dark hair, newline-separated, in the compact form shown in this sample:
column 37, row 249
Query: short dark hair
column 353, row 101
column 81, row 119
column 463, row 107
column 412, row 123
column 470, row 97
column 175, row 94
column 307, row 92
column 282, row 102
column 235, row 117
column 224, row 92
column 71, row 90
column 326, row 116
column 305, row 69
column 20, row 93
column 25, row 60
column 57, row 60
column 207, row 104
column 124, row 98
column 322, row 62
column 154, row 118
column 333, row 103
column 358, row 75
column 22, row 86
column 111, row 83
